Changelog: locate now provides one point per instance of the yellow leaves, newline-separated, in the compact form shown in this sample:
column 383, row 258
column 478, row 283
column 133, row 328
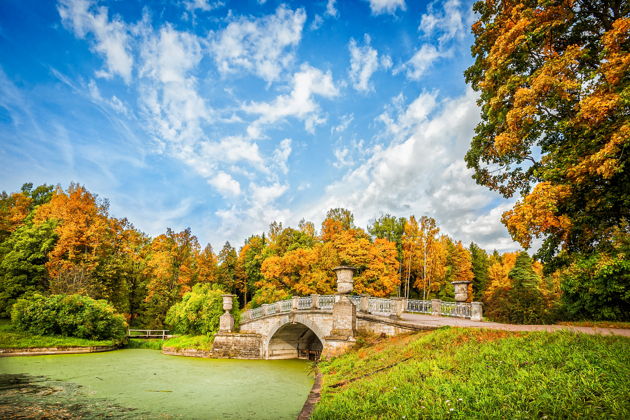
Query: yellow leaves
column 617, row 63
column 506, row 142
column 537, row 213
column 606, row 161
column 594, row 108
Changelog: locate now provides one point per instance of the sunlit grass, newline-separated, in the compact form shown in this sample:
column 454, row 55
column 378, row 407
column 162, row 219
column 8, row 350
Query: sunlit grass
column 466, row 373
column 9, row 338
column 199, row 342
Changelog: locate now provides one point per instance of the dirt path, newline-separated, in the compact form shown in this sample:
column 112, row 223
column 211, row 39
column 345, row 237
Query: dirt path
column 441, row 321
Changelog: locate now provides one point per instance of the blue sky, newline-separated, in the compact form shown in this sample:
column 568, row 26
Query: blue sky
column 227, row 115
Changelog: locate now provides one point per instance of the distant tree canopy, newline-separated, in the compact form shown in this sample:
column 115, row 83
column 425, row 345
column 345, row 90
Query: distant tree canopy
column 64, row 242
column 554, row 84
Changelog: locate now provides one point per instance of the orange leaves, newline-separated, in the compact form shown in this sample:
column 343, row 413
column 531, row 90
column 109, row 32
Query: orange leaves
column 538, row 213
column 617, row 63
column 83, row 227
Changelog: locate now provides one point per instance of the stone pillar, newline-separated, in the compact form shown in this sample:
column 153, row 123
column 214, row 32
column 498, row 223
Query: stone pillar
column 398, row 306
column 436, row 307
column 364, row 303
column 461, row 290
column 295, row 304
column 477, row 311
column 344, row 311
column 344, row 318
column 226, row 321
column 315, row 301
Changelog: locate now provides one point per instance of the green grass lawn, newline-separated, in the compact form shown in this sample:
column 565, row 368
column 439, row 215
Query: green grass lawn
column 470, row 373
column 9, row 338
column 199, row 342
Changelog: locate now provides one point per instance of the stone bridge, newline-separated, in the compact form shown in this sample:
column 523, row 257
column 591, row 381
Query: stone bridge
column 307, row 327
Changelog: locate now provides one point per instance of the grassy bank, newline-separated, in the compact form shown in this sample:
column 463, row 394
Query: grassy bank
column 598, row 324
column 9, row 338
column 199, row 342
column 469, row 373
column 152, row 343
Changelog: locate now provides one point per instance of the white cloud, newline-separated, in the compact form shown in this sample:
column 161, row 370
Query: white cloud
column 225, row 184
column 363, row 63
column 204, row 5
column 281, row 156
column 331, row 10
column 111, row 38
column 299, row 103
column 262, row 46
column 386, row 6
column 444, row 24
column 423, row 173
column 422, row 60
column 344, row 123
column 447, row 22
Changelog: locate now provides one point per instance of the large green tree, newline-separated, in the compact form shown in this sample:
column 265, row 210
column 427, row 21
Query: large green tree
column 554, row 90
column 22, row 259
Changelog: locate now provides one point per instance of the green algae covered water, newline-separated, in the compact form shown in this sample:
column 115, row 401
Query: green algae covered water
column 138, row 383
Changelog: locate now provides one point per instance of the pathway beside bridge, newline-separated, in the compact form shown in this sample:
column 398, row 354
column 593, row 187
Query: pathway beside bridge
column 442, row 321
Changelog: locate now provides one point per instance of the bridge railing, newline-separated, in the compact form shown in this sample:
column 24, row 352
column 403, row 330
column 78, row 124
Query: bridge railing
column 373, row 305
column 418, row 306
column 132, row 333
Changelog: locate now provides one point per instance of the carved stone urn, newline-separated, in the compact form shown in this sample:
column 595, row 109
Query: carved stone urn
column 461, row 290
column 345, row 281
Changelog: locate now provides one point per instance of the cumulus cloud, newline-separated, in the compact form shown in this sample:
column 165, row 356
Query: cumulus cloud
column 379, row 7
column 203, row 5
column 110, row 36
column 262, row 46
column 299, row 103
column 447, row 23
column 331, row 10
column 441, row 26
column 422, row 172
column 225, row 184
column 423, row 59
column 363, row 63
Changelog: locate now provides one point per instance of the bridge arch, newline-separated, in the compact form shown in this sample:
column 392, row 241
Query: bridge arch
column 294, row 338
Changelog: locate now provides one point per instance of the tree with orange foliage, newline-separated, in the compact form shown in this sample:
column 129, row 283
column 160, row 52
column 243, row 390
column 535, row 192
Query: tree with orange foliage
column 553, row 79
column 173, row 271
column 82, row 229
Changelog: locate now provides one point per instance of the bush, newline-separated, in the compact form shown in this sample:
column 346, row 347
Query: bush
column 68, row 315
column 597, row 287
column 199, row 311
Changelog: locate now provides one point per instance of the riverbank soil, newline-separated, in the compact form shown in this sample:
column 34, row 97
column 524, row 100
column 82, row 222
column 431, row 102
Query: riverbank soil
column 480, row 373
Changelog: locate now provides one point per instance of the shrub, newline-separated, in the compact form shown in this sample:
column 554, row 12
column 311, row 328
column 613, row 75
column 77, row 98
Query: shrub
column 199, row 311
column 68, row 315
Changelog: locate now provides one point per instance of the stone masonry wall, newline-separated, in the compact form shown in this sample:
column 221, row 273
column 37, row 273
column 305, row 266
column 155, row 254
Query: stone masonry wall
column 237, row 346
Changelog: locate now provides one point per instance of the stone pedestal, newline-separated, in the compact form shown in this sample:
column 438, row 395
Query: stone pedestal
column 315, row 301
column 436, row 307
column 476, row 311
column 399, row 306
column 364, row 303
column 226, row 321
column 461, row 290
column 344, row 318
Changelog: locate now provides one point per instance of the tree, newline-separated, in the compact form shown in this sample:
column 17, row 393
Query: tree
column 598, row 286
column 226, row 273
column 553, row 79
column 173, row 271
column 22, row 259
column 480, row 265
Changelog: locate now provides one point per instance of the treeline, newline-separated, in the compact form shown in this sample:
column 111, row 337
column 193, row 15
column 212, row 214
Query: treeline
column 57, row 241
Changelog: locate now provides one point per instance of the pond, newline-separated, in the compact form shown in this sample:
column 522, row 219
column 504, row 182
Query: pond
column 139, row 383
